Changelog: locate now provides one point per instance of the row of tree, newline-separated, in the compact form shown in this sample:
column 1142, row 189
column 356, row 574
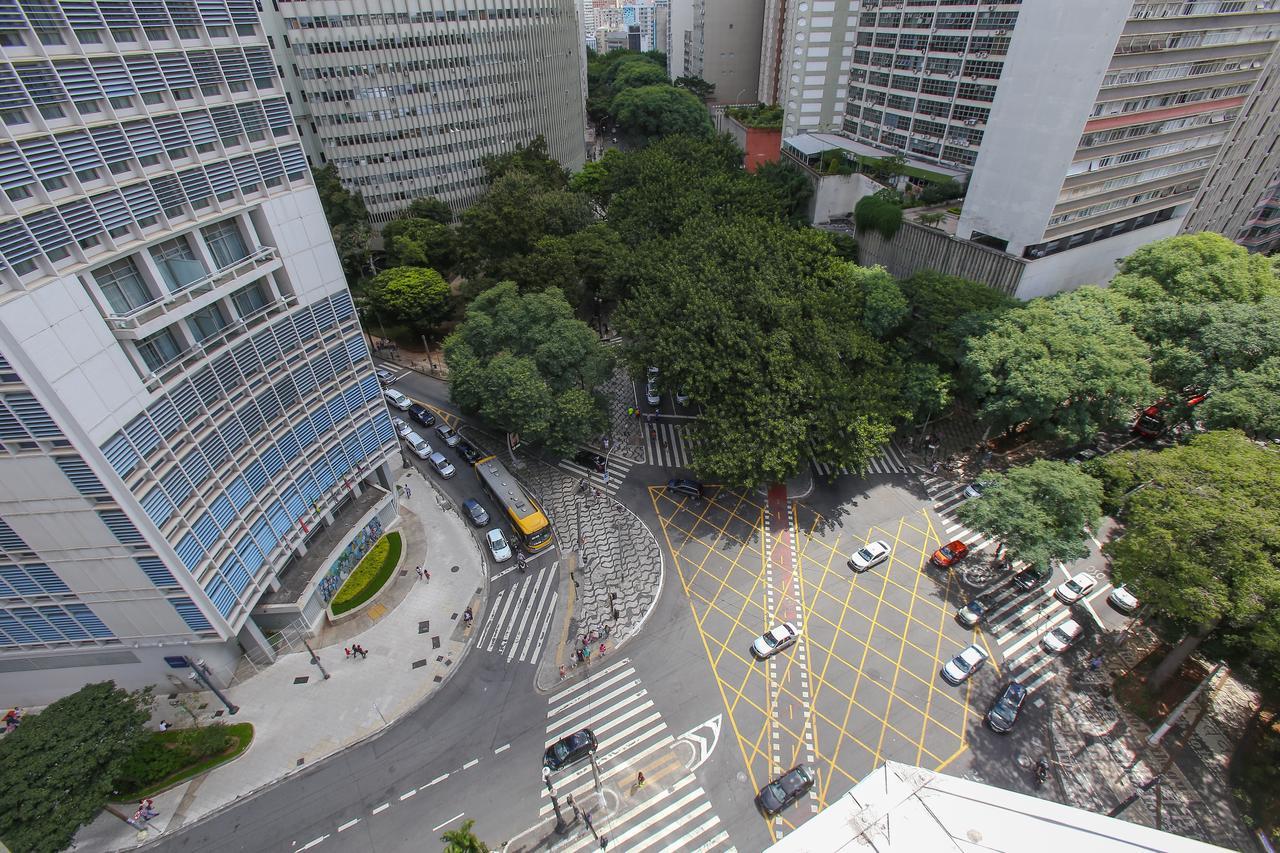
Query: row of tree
column 630, row 93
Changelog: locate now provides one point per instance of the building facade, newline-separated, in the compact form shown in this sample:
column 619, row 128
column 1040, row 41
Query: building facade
column 804, row 61
column 186, row 396
column 1087, row 127
column 719, row 41
column 407, row 103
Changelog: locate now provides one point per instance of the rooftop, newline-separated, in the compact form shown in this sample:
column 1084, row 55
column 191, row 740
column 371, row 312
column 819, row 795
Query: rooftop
column 810, row 144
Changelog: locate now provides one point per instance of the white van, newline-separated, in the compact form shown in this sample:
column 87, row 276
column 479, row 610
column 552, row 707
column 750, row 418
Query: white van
column 418, row 445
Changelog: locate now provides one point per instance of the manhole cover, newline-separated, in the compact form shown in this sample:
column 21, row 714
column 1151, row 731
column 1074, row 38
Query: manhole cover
column 435, row 642
column 424, row 627
column 456, row 569
column 419, row 663
column 302, row 679
column 438, row 679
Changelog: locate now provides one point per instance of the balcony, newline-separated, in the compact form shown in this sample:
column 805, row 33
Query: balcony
column 137, row 323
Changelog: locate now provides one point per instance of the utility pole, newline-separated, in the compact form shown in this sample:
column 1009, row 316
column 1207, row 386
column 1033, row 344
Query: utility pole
column 604, row 842
column 200, row 672
column 1182, row 706
column 315, row 659
column 561, row 826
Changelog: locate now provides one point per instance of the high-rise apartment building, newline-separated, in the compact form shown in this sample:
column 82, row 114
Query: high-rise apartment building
column 186, row 398
column 407, row 102
column 804, row 61
column 719, row 41
column 1088, row 126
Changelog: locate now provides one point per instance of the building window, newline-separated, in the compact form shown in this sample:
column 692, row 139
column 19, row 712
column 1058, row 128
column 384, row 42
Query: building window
column 238, row 85
column 156, row 33
column 225, row 243
column 183, row 94
column 11, row 38
column 52, row 111
column 26, row 267
column 149, row 160
column 119, row 167
column 178, row 264
column 152, row 98
column 51, row 37
column 121, row 102
column 14, row 117
column 188, row 33
column 18, row 193
column 250, row 300
column 122, row 285
column 86, row 175
column 205, row 148
column 124, row 34
column 54, row 184
column 89, row 36
column 159, row 349
column 211, row 90
column 207, row 322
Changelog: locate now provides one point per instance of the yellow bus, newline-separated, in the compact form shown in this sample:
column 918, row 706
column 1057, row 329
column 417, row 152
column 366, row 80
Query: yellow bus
column 531, row 526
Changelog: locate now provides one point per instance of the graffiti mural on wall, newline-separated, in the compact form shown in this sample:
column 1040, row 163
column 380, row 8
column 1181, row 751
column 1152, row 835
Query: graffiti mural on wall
column 350, row 558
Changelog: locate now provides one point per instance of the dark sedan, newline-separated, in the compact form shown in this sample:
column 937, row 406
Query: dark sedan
column 468, row 451
column 692, row 488
column 422, row 415
column 590, row 461
column 1004, row 712
column 785, row 790
column 477, row 514
column 570, row 750
column 1030, row 578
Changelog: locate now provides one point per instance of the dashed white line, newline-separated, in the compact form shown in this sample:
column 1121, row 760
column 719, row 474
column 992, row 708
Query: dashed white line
column 447, row 822
column 313, row 842
column 348, row 824
column 472, row 763
column 502, row 748
column 439, row 778
column 407, row 794
column 381, row 808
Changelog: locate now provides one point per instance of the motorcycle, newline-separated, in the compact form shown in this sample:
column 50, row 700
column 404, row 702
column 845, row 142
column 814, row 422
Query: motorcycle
column 1042, row 772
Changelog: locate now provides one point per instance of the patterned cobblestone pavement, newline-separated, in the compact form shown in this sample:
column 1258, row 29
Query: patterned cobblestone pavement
column 628, row 433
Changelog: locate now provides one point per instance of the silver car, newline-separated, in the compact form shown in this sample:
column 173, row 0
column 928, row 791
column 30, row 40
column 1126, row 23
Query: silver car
column 498, row 546
column 442, row 465
column 775, row 640
column 870, row 555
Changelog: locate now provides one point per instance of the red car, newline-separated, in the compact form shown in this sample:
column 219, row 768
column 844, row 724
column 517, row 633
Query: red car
column 1150, row 422
column 950, row 554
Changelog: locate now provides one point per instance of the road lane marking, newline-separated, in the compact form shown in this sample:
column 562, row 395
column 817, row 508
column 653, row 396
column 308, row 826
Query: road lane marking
column 381, row 808
column 407, row 794
column 502, row 748
column 313, row 842
column 348, row 824
column 447, row 822
column 472, row 763
column 439, row 778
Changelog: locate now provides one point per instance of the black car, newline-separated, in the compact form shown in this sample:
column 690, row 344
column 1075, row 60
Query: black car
column 692, row 488
column 1029, row 578
column 477, row 514
column 1004, row 712
column 468, row 451
column 784, row 790
column 422, row 415
column 570, row 750
column 589, row 460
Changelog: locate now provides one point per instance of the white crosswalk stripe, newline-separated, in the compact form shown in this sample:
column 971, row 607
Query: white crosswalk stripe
column 631, row 737
column 618, row 467
column 890, row 461
column 517, row 621
column 668, row 444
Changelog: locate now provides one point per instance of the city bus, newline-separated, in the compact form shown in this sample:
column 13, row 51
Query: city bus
column 528, row 521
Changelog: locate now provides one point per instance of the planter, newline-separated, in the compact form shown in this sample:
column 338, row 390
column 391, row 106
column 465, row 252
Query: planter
column 388, row 565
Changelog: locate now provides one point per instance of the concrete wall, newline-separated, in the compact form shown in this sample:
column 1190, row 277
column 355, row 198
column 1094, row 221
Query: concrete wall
column 835, row 195
column 919, row 247
column 1092, row 264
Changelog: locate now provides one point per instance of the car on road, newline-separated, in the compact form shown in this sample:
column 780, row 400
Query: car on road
column 590, row 461
column 395, row 398
column 422, row 415
column 418, row 445
column 402, row 428
column 569, row 750
column 468, row 452
column 974, row 489
column 785, row 790
column 950, row 554
column 692, row 488
column 1123, row 600
column 959, row 668
column 475, row 513
column 775, row 640
column 870, row 555
column 1063, row 637
column 498, row 545
column 442, row 465
column 447, row 435
column 386, row 377
column 652, row 395
column 1076, row 588
column 682, row 397
column 971, row 614
column 1029, row 578
column 1084, row 455
column 1004, row 711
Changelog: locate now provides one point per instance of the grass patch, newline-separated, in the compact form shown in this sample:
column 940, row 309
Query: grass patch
column 168, row 758
column 368, row 577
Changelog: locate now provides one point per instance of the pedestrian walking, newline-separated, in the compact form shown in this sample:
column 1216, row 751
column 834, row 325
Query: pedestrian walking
column 577, row 654
column 408, row 492
column 640, row 779
column 347, row 652
column 419, row 571
column 573, row 806
column 164, row 725
column 426, row 574
column 602, row 650
column 586, row 653
column 360, row 650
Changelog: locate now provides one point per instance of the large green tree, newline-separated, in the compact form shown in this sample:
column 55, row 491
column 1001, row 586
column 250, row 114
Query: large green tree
column 519, row 209
column 523, row 363
column 463, row 839
column 701, row 88
column 348, row 221
column 416, row 296
column 763, row 325
column 428, row 207
column 1249, row 401
column 419, row 243
column 635, row 74
column 1200, row 545
column 1039, row 511
column 663, row 110
column 791, row 187
column 1066, row 364
column 57, row 769
column 531, row 159
column 946, row 310
column 1202, row 267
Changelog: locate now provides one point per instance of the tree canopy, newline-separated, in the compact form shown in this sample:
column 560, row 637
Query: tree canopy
column 415, row 296
column 660, row 110
column 1202, row 267
column 519, row 209
column 428, row 207
column 531, row 159
column 703, row 90
column 419, row 243
column 58, row 768
column 790, row 186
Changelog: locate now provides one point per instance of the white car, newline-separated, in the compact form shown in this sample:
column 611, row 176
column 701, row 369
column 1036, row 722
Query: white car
column 963, row 665
column 442, row 465
column 395, row 398
column 775, row 640
column 974, row 489
column 1123, row 600
column 869, row 555
column 1063, row 637
column 651, row 393
column 498, row 546
column 418, row 445
column 402, row 428
column 1076, row 588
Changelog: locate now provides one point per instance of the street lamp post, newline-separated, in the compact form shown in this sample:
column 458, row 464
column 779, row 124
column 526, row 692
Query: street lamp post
column 315, row 659
column 561, row 826
column 200, row 671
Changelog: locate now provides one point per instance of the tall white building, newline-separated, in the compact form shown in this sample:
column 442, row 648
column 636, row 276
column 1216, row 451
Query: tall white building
column 192, row 439
column 804, row 61
column 407, row 101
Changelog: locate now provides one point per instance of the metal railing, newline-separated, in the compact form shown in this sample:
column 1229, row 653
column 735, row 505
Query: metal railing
column 148, row 311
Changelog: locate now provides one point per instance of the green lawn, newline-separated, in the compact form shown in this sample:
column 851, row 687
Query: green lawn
column 240, row 736
column 368, row 577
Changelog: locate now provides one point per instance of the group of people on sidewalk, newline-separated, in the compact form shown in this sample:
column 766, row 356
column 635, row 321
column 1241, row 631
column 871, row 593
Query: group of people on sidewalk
column 354, row 650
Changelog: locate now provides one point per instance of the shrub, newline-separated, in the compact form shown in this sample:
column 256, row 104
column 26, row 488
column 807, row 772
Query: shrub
column 165, row 753
column 370, row 575
column 874, row 213
column 939, row 191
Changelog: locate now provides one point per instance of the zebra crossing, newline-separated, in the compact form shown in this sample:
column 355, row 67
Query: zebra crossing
column 890, row 461
column 516, row 625
column 670, row 812
column 1015, row 620
column 618, row 469
column 668, row 444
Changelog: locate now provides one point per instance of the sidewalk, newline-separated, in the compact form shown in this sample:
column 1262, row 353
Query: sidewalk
column 414, row 638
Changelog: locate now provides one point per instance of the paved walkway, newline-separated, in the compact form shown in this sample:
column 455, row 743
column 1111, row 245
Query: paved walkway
column 414, row 639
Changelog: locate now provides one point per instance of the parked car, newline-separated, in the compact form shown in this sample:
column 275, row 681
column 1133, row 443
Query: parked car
column 442, row 465
column 385, row 377
column 682, row 397
column 422, row 415
column 775, row 640
column 418, row 445
column 1004, row 711
column 869, row 555
column 651, row 393
column 1123, row 600
column 785, row 790
column 498, row 546
column 447, row 435
column 950, row 554
column 395, row 398
column 1076, row 588
column 962, row 666
column 570, row 749
column 590, row 461
column 971, row 614
column 1084, row 455
column 402, row 428
column 974, row 489
column 692, row 488
column 468, row 452
column 1030, row 578
column 1063, row 637
column 475, row 513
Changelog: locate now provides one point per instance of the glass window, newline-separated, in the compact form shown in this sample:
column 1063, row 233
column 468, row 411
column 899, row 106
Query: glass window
column 54, row 183
column 152, row 98
column 123, row 34
column 51, row 37
column 123, row 286
column 159, row 349
column 122, row 102
column 52, row 111
column 178, row 264
column 18, row 193
column 14, row 117
column 225, row 243
column 251, row 299
column 86, row 175
column 119, row 167
column 89, row 36
column 207, row 322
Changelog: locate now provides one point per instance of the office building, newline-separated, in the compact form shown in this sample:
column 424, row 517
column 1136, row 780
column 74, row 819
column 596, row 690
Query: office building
column 408, row 103
column 719, row 41
column 1087, row 127
column 804, row 61
column 187, row 403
